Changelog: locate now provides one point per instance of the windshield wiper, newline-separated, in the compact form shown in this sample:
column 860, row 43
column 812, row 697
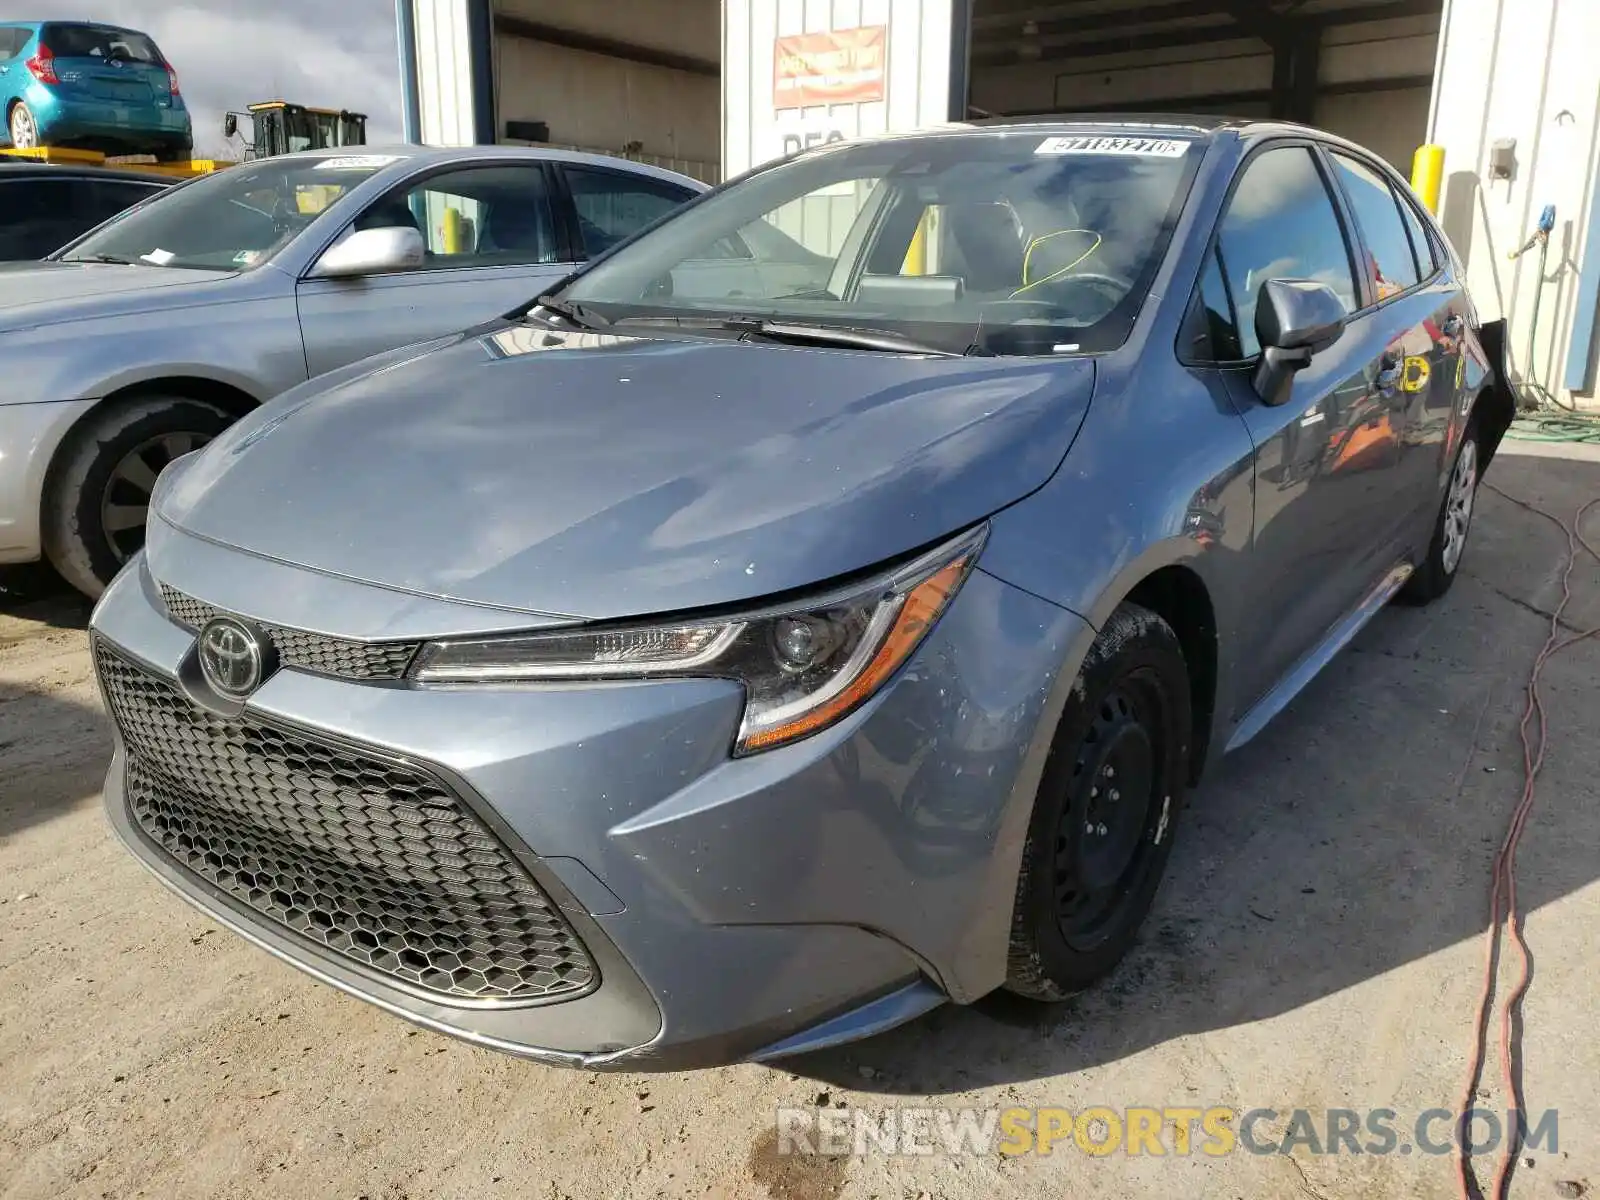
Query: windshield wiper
column 570, row 310
column 114, row 259
column 803, row 333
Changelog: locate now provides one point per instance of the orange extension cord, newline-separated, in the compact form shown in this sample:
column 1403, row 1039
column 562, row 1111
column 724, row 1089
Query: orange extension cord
column 1505, row 884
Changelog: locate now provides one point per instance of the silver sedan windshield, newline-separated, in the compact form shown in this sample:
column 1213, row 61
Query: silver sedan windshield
column 233, row 220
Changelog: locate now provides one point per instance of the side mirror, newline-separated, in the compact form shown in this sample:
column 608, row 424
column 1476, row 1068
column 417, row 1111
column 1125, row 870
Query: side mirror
column 1295, row 319
column 230, row 125
column 372, row 252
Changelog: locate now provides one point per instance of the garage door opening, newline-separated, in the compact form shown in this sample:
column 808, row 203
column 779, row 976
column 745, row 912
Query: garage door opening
column 1359, row 68
column 640, row 79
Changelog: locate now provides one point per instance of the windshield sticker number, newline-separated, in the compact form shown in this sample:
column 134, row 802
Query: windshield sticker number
column 357, row 162
column 1137, row 147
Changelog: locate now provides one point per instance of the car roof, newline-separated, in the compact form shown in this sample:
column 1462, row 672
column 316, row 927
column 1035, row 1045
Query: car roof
column 37, row 170
column 92, row 24
column 443, row 155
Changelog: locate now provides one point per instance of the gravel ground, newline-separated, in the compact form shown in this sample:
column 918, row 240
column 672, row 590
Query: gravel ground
column 1317, row 946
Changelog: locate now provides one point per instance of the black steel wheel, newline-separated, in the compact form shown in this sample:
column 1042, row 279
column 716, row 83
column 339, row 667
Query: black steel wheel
column 1103, row 820
column 98, row 492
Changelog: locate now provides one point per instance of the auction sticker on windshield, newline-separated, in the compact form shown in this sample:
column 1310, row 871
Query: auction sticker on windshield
column 1139, row 147
column 357, row 162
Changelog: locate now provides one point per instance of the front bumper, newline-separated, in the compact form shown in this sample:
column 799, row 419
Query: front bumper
column 734, row 908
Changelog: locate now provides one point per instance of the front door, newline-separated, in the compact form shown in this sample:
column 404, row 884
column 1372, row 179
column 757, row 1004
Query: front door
column 492, row 244
column 1326, row 460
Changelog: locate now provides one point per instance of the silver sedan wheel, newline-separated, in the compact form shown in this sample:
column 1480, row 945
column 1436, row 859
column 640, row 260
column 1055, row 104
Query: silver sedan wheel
column 24, row 133
column 126, row 500
column 1458, row 505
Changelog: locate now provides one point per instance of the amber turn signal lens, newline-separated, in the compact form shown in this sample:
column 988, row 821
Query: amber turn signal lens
column 918, row 611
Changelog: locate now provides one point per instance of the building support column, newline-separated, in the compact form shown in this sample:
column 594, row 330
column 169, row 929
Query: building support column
column 453, row 57
column 1296, row 55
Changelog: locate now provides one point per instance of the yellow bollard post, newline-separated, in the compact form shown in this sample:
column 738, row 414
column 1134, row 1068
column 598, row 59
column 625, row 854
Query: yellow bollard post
column 453, row 239
column 916, row 262
column 1427, row 175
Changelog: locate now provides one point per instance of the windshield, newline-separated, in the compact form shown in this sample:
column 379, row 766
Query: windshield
column 233, row 220
column 1005, row 243
column 98, row 41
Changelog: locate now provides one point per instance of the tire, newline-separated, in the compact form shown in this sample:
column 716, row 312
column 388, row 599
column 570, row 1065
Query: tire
column 1451, row 528
column 101, row 477
column 174, row 152
column 1126, row 729
column 21, row 127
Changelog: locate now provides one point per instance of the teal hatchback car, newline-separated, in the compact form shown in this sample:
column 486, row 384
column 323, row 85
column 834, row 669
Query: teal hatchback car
column 100, row 87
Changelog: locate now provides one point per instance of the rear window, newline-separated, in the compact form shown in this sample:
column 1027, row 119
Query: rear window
column 100, row 41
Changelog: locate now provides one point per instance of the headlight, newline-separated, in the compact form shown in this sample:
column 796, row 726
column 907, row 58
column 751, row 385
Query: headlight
column 803, row 666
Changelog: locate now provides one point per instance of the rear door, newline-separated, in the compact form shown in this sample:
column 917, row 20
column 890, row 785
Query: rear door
column 1424, row 312
column 1325, row 464
column 492, row 244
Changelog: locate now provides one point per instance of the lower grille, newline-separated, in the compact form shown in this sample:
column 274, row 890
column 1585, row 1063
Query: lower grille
column 376, row 860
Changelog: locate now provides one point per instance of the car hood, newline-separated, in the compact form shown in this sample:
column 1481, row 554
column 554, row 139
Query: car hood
column 43, row 293
column 597, row 476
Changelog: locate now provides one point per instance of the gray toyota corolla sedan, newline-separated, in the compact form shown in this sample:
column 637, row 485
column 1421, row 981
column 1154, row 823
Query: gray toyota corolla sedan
column 814, row 610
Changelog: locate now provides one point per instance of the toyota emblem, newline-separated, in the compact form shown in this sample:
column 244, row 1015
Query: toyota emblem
column 232, row 658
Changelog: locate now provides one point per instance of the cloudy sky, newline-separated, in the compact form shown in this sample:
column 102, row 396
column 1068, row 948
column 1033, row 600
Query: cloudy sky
column 331, row 53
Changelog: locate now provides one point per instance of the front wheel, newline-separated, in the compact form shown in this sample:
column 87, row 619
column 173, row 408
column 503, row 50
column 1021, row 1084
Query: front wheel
column 22, row 128
column 98, row 493
column 1437, row 572
column 1102, row 823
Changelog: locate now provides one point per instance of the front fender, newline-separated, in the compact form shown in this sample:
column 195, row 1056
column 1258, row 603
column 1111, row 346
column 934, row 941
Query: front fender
column 253, row 346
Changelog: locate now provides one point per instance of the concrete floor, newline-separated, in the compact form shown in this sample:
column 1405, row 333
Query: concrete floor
column 1317, row 945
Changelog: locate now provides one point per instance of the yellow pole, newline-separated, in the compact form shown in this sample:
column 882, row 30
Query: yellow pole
column 1427, row 175
column 452, row 231
column 917, row 253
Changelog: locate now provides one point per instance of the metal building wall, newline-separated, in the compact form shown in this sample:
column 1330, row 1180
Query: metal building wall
column 454, row 85
column 1525, row 70
column 918, row 85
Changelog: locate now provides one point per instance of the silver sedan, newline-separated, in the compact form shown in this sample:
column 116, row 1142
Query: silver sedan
column 150, row 335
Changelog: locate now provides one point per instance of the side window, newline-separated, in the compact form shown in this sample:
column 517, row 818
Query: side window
column 36, row 218
column 1390, row 264
column 11, row 41
column 1212, row 334
column 1427, row 256
column 475, row 217
column 101, row 199
column 1281, row 224
column 613, row 205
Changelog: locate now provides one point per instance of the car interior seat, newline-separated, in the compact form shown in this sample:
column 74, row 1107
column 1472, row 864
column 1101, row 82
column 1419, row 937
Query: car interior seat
column 990, row 242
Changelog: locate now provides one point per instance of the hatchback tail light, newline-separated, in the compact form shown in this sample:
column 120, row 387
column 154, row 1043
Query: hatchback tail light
column 43, row 66
column 172, row 77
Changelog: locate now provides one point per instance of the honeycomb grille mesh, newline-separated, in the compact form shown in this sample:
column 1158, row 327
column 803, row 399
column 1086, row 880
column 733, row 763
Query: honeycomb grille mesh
column 307, row 651
column 377, row 861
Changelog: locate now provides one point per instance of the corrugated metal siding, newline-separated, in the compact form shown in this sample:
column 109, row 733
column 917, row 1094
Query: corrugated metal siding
column 444, row 72
column 1522, row 69
column 916, row 91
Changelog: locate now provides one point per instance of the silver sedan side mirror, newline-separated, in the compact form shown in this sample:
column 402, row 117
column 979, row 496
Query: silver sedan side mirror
column 372, row 252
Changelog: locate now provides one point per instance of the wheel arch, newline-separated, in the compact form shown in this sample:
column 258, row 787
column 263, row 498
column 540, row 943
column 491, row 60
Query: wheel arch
column 226, row 396
column 1179, row 596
